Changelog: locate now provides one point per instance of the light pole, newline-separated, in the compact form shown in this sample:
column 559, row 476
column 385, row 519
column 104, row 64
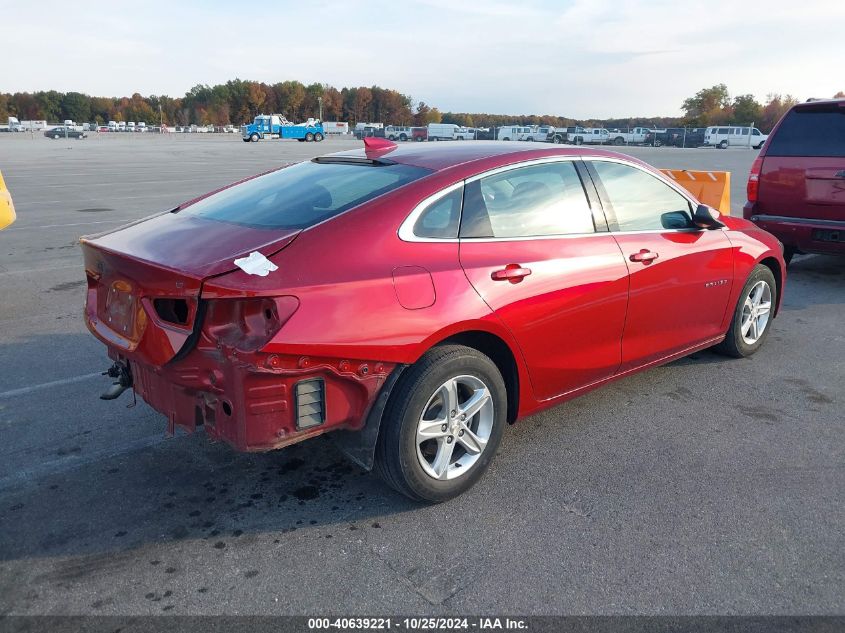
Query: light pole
column 160, row 120
column 320, row 103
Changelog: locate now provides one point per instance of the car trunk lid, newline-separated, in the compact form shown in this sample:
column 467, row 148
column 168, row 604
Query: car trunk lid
column 144, row 281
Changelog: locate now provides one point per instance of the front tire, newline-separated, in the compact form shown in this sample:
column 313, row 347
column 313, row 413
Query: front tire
column 723, row 145
column 254, row 138
column 442, row 424
column 752, row 316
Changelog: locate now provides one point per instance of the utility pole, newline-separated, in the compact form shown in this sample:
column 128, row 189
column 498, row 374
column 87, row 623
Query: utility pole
column 320, row 102
column 160, row 120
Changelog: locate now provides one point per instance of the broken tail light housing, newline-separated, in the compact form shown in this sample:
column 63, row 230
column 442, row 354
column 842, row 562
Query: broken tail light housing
column 753, row 187
column 247, row 324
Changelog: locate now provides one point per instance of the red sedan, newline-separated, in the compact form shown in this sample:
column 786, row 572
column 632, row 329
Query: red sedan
column 413, row 300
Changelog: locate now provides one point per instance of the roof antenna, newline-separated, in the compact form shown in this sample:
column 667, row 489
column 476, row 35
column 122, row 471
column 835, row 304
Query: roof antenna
column 378, row 144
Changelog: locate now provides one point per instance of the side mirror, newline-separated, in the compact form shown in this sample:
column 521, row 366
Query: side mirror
column 675, row 220
column 706, row 217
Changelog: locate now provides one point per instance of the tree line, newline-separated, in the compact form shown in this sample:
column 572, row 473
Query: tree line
column 238, row 101
column 715, row 106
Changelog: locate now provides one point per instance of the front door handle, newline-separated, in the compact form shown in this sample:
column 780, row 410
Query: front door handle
column 513, row 273
column 645, row 256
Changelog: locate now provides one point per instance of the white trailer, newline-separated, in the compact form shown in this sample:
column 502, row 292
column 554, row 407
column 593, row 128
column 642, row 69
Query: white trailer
column 33, row 126
column 336, row 127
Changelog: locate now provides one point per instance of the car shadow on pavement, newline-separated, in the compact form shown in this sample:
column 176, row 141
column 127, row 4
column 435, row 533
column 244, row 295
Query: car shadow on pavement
column 187, row 488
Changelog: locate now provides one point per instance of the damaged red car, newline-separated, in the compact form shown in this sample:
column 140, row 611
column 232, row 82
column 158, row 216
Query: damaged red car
column 414, row 300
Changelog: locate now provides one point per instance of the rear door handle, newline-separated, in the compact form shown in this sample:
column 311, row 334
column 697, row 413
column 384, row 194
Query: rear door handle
column 513, row 273
column 645, row 256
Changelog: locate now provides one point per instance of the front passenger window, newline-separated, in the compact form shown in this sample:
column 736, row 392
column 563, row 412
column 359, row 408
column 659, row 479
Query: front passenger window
column 640, row 201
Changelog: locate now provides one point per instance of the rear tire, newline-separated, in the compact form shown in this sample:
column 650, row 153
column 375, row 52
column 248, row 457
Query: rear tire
column 619, row 141
column 309, row 137
column 403, row 137
column 420, row 400
column 744, row 337
column 318, row 137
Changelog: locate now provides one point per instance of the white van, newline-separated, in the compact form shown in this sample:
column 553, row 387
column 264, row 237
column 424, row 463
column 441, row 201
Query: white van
column 734, row 136
column 442, row 131
column 519, row 133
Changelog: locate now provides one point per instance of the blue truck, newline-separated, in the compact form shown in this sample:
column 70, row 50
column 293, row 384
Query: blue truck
column 277, row 126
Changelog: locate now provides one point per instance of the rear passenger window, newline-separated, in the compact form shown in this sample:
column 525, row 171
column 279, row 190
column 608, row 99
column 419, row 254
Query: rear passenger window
column 441, row 218
column 539, row 200
column 810, row 131
column 640, row 201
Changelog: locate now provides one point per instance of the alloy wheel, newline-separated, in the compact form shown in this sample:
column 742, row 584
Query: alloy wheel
column 755, row 312
column 455, row 427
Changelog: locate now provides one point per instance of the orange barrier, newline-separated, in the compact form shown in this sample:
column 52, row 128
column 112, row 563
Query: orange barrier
column 7, row 209
column 712, row 188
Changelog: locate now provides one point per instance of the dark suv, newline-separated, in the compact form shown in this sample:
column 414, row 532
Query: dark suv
column 796, row 188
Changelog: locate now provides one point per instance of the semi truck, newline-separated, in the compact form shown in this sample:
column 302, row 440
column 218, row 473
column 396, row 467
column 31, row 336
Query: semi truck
column 277, row 126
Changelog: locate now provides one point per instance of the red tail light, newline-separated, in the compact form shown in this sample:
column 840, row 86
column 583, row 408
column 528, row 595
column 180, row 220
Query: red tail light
column 247, row 324
column 753, row 187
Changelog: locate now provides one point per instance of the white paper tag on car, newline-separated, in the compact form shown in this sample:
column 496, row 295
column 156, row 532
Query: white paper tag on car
column 256, row 264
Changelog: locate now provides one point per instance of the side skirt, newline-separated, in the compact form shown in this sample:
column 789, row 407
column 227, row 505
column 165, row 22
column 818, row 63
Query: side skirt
column 571, row 395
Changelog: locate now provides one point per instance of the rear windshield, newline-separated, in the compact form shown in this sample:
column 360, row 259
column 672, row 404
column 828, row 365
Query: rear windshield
column 303, row 195
column 810, row 131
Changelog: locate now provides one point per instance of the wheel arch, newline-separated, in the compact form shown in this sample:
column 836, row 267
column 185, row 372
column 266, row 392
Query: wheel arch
column 772, row 264
column 359, row 446
column 497, row 350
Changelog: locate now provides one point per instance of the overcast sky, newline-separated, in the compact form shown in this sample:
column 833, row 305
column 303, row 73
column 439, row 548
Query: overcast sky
column 579, row 58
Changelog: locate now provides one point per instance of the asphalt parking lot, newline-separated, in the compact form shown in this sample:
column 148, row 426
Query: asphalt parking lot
column 707, row 486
